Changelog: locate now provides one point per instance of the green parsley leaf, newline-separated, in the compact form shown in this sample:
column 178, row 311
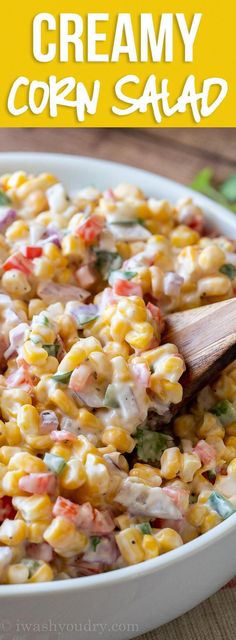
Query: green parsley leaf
column 111, row 399
column 4, row 199
column 35, row 339
column 107, row 261
column 52, row 349
column 45, row 320
column 228, row 270
column 145, row 528
column 121, row 275
column 125, row 223
column 211, row 475
column 151, row 444
column 32, row 565
column 64, row 378
column 95, row 540
column 225, row 411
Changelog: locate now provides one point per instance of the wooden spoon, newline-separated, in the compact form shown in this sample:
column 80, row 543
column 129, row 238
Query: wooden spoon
column 206, row 338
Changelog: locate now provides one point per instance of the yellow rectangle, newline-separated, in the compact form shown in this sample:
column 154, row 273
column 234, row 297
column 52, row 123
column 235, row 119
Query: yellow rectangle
column 214, row 56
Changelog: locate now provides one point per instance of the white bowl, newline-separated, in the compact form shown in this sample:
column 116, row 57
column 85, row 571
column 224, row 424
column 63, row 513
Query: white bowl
column 130, row 601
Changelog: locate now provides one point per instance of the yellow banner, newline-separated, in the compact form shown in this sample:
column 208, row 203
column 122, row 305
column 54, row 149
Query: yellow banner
column 118, row 63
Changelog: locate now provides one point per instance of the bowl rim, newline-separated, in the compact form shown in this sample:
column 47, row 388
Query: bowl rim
column 191, row 548
column 203, row 200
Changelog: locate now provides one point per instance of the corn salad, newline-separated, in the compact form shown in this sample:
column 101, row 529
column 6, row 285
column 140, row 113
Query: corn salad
column 93, row 475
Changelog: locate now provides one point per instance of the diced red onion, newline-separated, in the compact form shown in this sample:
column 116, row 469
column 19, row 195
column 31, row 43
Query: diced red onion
column 16, row 378
column 52, row 292
column 80, row 377
column 141, row 373
column 172, row 284
column 141, row 499
column 106, row 552
column 82, row 313
column 62, row 436
column 85, row 276
column 16, row 336
column 41, row 551
column 205, row 451
column 106, row 299
column 48, row 422
column 6, row 219
column 54, row 239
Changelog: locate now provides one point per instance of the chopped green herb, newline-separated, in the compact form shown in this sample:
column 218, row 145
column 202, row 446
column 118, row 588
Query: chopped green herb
column 211, row 475
column 64, row 378
column 45, row 320
column 32, row 565
column 229, row 270
column 95, row 540
column 121, row 275
column 84, row 316
column 225, row 411
column 221, row 505
column 107, row 261
column 111, row 399
column 151, row 444
column 145, row 528
column 52, row 349
column 4, row 199
column 125, row 223
column 35, row 339
column 56, row 464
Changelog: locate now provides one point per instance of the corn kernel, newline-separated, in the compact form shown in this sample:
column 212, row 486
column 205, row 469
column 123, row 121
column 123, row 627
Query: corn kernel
column 184, row 426
column 144, row 472
column 13, row 532
column 7, row 452
column 36, row 531
column 98, row 477
column 34, row 354
column 141, row 335
column 35, row 307
column 10, row 483
column 62, row 450
column 183, row 236
column 25, row 461
column 11, row 401
column 119, row 438
column 12, row 433
column 129, row 542
column 33, row 508
column 28, row 420
column 196, row 514
column 150, row 546
column 43, row 574
column 88, row 420
column 170, row 463
column 168, row 539
column 17, row 574
column 81, row 448
column 210, row 520
column 190, row 463
column 73, row 475
column 64, row 403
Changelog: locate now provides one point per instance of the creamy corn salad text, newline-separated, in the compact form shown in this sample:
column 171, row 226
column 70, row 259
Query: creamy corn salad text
column 93, row 475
